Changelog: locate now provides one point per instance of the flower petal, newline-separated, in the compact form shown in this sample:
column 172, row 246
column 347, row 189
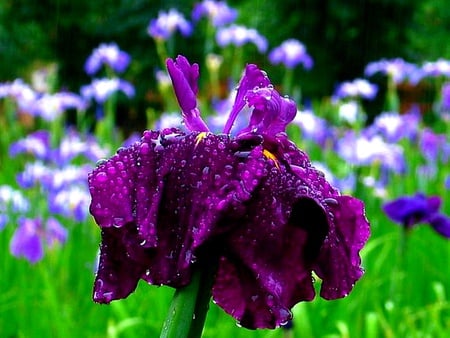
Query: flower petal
column 339, row 263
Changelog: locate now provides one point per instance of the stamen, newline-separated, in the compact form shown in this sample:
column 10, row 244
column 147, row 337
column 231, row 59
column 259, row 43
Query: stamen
column 200, row 137
column 272, row 157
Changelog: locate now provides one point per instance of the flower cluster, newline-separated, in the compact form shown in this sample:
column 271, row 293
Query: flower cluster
column 166, row 201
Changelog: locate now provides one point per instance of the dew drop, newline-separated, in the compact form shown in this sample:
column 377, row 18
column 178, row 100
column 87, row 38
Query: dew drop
column 101, row 177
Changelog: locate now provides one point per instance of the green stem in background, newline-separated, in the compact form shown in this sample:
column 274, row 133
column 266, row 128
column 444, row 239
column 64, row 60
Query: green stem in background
column 105, row 129
column 56, row 130
column 190, row 304
column 392, row 100
column 161, row 50
column 287, row 81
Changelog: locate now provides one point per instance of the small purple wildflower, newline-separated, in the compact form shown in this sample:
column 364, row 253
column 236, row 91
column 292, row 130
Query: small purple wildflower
column 72, row 202
column 398, row 69
column 101, row 89
column 32, row 235
column 164, row 202
column 22, row 93
column 291, row 53
column 36, row 144
column 239, row 35
column 434, row 147
column 365, row 150
column 51, row 106
column 445, row 93
column 218, row 12
column 394, row 126
column 409, row 211
column 437, row 68
column 165, row 25
column 12, row 200
column 313, row 127
column 358, row 88
column 107, row 54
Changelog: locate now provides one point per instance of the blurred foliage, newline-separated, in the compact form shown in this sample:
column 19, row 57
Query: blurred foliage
column 341, row 35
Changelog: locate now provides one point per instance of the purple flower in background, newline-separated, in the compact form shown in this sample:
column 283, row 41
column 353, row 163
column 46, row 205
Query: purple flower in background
column 398, row 69
column 291, row 53
column 71, row 202
column 21, row 92
column 365, row 150
column 394, row 126
column 165, row 25
column 409, row 211
column 36, row 144
column 447, row 182
column 51, row 106
column 107, row 54
column 357, row 88
column 313, row 127
column 434, row 146
column 166, row 203
column 32, row 235
column 437, row 68
column 239, row 35
column 101, row 89
column 217, row 12
column 445, row 93
column 12, row 200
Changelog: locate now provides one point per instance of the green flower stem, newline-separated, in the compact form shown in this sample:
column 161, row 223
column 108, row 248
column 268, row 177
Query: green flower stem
column 187, row 312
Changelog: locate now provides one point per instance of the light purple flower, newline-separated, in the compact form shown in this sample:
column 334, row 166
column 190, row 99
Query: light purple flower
column 445, row 93
column 107, row 54
column 394, row 126
column 167, row 23
column 32, row 235
column 365, row 150
column 436, row 68
column 12, row 200
column 36, row 144
column 239, row 35
column 398, row 69
column 291, row 53
column 434, row 146
column 101, row 89
column 313, row 127
column 51, row 106
column 72, row 201
column 175, row 199
column 358, row 88
column 217, row 12
column 22, row 93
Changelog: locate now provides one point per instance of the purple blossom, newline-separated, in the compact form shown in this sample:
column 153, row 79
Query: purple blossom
column 32, row 235
column 12, row 200
column 445, row 93
column 21, row 92
column 394, row 126
column 101, row 89
column 107, row 54
column 291, row 53
column 436, row 68
column 434, row 147
column 36, row 144
column 409, row 211
column 51, row 106
column 217, row 12
column 163, row 204
column 365, row 150
column 72, row 202
column 313, row 127
column 398, row 69
column 239, row 35
column 358, row 88
column 165, row 25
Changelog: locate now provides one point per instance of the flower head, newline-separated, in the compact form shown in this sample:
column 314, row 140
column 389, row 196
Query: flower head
column 33, row 235
column 355, row 89
column 101, row 89
column 253, row 196
column 217, row 12
column 409, row 211
column 291, row 53
column 165, row 25
column 239, row 35
column 107, row 54
column 398, row 69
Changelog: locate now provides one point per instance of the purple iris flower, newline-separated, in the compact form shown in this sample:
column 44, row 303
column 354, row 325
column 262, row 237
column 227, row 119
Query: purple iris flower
column 394, row 126
column 398, row 69
column 409, row 211
column 165, row 25
column 445, row 93
column 51, row 106
column 164, row 202
column 356, row 88
column 36, row 144
column 366, row 149
column 434, row 147
column 436, row 68
column 313, row 127
column 32, row 235
column 291, row 53
column 107, row 54
column 447, row 182
column 21, row 92
column 239, row 35
column 101, row 89
column 217, row 12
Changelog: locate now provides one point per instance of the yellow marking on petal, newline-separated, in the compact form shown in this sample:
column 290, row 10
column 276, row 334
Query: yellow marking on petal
column 272, row 157
column 200, row 137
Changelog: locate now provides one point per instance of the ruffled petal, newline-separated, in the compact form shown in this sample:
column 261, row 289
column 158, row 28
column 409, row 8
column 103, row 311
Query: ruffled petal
column 339, row 263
